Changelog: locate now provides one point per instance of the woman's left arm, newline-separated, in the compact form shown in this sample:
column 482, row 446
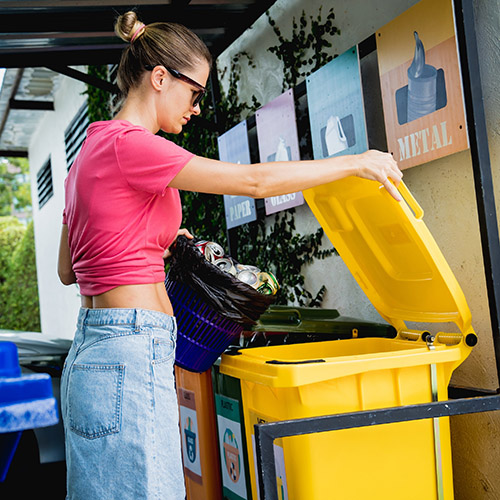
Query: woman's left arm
column 64, row 266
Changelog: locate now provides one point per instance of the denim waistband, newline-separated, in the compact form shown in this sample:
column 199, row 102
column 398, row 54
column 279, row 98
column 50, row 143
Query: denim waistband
column 123, row 316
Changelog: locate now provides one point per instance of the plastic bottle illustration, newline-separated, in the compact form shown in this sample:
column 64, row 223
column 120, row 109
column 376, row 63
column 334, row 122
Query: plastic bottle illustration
column 281, row 152
column 335, row 138
column 190, row 440
column 422, row 84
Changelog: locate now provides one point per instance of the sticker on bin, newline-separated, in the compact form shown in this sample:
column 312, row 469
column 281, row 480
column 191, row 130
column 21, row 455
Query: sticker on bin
column 189, row 433
column 279, row 458
column 231, row 448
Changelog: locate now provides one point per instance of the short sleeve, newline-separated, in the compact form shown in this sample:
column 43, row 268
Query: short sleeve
column 147, row 161
column 64, row 219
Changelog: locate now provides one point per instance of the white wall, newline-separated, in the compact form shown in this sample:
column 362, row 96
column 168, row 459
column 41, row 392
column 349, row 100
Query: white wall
column 445, row 190
column 59, row 304
column 357, row 20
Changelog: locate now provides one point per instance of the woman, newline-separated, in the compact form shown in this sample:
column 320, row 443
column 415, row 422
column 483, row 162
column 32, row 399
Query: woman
column 122, row 213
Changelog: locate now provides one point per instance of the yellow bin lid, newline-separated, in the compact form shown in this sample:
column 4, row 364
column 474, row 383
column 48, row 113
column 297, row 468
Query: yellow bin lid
column 390, row 252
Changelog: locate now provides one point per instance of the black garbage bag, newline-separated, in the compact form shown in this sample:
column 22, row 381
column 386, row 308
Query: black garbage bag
column 226, row 294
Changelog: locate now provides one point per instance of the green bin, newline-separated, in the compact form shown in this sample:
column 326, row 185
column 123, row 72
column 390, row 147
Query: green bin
column 293, row 325
column 231, row 436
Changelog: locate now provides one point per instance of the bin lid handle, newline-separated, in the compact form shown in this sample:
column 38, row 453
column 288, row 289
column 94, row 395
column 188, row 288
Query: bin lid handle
column 302, row 362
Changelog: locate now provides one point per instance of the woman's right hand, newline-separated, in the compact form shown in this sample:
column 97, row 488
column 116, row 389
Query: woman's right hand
column 378, row 166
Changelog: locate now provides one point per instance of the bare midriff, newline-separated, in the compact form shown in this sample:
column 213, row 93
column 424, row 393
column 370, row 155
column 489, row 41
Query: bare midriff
column 152, row 296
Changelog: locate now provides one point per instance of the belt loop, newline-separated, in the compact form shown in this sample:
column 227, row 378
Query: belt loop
column 83, row 316
column 137, row 320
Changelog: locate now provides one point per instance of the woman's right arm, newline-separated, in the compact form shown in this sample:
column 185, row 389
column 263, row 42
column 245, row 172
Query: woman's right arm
column 64, row 266
column 261, row 180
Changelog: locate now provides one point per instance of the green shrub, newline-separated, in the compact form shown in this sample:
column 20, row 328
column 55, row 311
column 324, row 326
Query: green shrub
column 11, row 233
column 19, row 305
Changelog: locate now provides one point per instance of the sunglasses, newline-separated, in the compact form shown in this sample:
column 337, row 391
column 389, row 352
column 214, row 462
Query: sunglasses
column 177, row 74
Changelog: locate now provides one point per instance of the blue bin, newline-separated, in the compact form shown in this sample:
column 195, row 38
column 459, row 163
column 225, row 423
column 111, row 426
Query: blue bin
column 26, row 402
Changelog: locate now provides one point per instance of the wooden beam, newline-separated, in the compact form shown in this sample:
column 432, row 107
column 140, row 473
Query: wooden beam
column 31, row 105
column 86, row 78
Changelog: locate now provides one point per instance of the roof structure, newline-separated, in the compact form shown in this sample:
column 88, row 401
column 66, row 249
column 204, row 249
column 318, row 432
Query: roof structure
column 40, row 39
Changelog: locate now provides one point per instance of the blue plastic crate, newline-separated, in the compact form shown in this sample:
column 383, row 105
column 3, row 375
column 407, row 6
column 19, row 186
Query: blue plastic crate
column 26, row 402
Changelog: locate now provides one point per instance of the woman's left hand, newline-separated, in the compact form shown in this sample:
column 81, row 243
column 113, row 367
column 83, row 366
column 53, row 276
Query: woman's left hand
column 167, row 254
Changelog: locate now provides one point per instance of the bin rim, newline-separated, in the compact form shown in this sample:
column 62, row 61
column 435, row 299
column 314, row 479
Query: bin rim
column 263, row 366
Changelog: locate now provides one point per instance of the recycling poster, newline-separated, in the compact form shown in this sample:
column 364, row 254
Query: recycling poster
column 421, row 84
column 278, row 141
column 231, row 449
column 336, row 110
column 234, row 148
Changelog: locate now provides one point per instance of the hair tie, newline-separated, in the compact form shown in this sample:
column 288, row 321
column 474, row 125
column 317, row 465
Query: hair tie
column 136, row 33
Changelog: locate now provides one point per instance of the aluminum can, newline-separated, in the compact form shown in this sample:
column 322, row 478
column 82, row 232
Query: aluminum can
column 225, row 265
column 248, row 277
column 201, row 245
column 268, row 284
column 253, row 269
column 245, row 267
column 213, row 251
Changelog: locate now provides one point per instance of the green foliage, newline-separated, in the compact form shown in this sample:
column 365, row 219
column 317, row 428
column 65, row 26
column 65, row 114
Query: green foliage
column 19, row 306
column 99, row 104
column 304, row 52
column 281, row 246
column 15, row 192
column 11, row 233
column 204, row 213
column 283, row 251
column 275, row 247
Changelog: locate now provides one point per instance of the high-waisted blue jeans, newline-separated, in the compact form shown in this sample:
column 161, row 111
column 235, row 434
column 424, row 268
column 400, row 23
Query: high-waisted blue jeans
column 119, row 407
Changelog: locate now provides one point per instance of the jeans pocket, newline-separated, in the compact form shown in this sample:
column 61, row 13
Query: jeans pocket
column 95, row 399
column 163, row 349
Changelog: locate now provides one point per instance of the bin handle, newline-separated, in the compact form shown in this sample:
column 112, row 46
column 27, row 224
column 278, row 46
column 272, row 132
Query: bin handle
column 411, row 201
column 301, row 362
column 292, row 315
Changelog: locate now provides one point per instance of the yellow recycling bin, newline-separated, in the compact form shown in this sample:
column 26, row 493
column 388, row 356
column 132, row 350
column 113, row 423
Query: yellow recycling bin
column 395, row 260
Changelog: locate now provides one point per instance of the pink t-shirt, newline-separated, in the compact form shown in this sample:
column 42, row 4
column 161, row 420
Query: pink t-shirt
column 120, row 212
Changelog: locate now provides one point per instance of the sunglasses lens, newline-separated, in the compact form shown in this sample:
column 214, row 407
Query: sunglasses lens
column 198, row 98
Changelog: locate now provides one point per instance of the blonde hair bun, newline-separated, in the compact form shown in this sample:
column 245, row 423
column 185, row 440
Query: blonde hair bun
column 127, row 25
column 170, row 44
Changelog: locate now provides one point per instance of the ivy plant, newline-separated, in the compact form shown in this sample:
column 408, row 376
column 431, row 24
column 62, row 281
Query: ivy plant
column 305, row 51
column 98, row 101
column 275, row 246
